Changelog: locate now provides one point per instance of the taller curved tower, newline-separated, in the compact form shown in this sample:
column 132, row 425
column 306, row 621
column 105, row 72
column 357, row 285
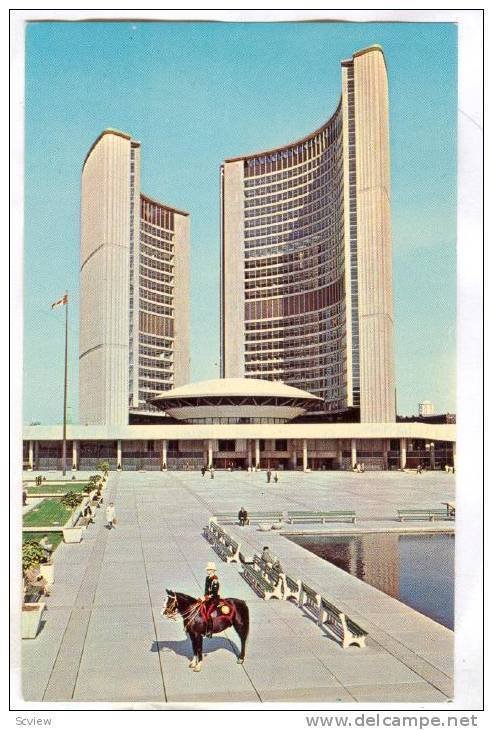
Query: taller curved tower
column 306, row 255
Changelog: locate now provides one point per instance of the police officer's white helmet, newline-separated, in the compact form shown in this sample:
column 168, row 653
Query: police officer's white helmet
column 210, row 566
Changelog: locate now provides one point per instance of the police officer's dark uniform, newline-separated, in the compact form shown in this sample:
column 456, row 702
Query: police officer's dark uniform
column 211, row 594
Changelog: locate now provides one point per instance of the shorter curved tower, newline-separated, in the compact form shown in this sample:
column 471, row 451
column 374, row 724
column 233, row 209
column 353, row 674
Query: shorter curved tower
column 306, row 257
column 133, row 335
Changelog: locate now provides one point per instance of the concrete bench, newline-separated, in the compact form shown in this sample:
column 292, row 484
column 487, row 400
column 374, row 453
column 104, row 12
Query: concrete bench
column 423, row 514
column 213, row 532
column 253, row 517
column 335, row 516
column 227, row 548
column 330, row 617
column 291, row 588
column 347, row 631
column 260, row 585
column 267, row 569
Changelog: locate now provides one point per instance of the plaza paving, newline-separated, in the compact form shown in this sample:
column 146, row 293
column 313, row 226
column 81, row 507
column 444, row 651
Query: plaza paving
column 104, row 639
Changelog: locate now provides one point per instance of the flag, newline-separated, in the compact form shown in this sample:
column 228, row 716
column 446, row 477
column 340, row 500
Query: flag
column 61, row 302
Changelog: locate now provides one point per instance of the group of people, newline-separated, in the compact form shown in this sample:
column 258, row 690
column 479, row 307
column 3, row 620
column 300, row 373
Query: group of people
column 359, row 468
column 272, row 475
column 209, row 469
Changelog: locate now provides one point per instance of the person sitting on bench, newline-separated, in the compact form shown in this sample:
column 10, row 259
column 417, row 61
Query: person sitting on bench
column 266, row 556
column 242, row 517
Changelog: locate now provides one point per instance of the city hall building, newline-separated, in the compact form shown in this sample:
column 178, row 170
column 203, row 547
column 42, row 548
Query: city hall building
column 239, row 423
column 307, row 353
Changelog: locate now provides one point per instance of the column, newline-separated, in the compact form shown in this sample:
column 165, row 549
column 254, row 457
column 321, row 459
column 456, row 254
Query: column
column 257, row 453
column 209, row 453
column 403, row 453
column 354, row 454
column 119, row 464
column 339, row 454
column 305, row 455
column 249, row 453
column 453, row 455
column 31, row 455
column 386, row 448
column 164, row 458
column 75, row 455
column 36, row 454
column 294, row 456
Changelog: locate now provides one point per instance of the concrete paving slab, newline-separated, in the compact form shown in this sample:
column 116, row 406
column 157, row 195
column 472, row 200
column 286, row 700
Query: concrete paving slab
column 119, row 577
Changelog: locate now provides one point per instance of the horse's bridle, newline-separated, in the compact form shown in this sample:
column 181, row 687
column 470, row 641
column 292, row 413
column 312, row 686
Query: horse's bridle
column 171, row 610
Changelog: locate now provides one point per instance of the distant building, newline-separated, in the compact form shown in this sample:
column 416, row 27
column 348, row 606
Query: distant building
column 306, row 264
column 426, row 408
column 134, row 280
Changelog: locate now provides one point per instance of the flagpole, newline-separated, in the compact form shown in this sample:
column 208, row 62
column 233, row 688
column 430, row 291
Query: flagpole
column 64, row 437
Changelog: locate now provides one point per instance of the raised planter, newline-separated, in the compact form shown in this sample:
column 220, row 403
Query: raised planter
column 72, row 534
column 31, row 619
column 47, row 570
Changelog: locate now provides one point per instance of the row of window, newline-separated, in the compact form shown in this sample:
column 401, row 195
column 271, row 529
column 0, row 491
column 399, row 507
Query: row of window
column 157, row 215
column 160, row 309
column 301, row 152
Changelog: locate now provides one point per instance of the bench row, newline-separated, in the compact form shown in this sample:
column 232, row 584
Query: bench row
column 289, row 517
column 269, row 583
column 425, row 513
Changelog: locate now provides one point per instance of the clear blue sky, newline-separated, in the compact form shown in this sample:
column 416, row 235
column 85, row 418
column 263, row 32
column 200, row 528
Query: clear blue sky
column 196, row 93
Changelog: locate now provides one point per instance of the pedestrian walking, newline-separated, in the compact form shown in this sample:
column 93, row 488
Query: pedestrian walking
column 110, row 516
column 211, row 469
column 269, row 474
column 276, row 477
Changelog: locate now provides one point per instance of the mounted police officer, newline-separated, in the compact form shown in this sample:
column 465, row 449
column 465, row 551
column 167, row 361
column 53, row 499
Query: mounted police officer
column 211, row 595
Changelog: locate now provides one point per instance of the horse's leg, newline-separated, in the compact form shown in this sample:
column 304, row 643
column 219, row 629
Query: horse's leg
column 241, row 625
column 193, row 639
column 198, row 645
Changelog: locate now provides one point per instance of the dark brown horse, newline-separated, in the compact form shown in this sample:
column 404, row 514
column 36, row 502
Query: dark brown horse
column 195, row 625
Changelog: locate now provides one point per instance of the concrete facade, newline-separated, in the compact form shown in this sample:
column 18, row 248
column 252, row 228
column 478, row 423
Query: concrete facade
column 134, row 340
column 286, row 446
column 307, row 259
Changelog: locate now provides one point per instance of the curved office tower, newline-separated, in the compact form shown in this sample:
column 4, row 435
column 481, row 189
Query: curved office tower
column 133, row 338
column 306, row 258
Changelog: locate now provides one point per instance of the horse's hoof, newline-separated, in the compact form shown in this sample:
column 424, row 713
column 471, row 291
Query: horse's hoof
column 240, row 661
column 192, row 665
column 197, row 668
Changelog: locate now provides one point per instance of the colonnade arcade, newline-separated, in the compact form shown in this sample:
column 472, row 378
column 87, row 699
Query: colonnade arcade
column 281, row 454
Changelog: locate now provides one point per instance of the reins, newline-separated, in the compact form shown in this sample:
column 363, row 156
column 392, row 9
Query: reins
column 188, row 615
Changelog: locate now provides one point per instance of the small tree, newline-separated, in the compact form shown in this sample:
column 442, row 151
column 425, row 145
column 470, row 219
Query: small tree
column 71, row 499
column 104, row 467
column 32, row 555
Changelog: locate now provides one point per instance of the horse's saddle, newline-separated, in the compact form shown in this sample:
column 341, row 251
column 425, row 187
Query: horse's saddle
column 224, row 608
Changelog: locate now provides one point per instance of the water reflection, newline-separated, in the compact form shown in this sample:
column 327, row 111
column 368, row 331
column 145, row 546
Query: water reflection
column 416, row 569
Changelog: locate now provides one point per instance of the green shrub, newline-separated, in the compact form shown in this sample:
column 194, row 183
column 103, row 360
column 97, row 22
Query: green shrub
column 71, row 499
column 104, row 467
column 32, row 555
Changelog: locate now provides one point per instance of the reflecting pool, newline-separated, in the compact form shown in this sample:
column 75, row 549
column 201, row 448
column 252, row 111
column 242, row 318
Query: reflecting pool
column 417, row 569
